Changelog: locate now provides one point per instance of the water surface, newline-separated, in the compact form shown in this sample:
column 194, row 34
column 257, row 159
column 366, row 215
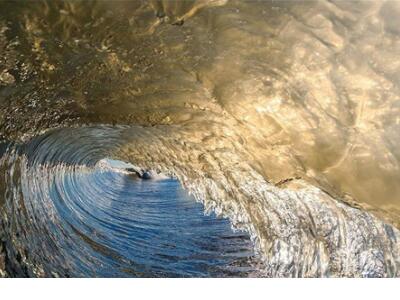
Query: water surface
column 282, row 116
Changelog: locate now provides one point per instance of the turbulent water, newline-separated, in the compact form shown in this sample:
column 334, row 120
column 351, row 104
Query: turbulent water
column 282, row 116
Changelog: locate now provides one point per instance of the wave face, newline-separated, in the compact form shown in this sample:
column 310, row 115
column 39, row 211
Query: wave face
column 280, row 116
column 73, row 217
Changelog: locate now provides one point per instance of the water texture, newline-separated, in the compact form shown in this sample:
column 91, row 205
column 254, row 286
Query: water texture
column 99, row 221
column 279, row 115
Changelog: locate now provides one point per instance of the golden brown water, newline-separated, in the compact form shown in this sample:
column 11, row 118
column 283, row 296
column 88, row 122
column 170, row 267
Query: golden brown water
column 274, row 113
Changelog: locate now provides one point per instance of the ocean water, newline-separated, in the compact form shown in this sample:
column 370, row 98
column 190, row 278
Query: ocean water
column 103, row 221
column 279, row 118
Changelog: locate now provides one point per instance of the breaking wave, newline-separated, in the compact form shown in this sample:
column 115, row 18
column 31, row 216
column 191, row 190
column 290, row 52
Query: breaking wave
column 70, row 213
column 279, row 118
column 66, row 214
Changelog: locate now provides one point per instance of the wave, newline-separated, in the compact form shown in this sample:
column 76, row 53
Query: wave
column 279, row 116
column 66, row 215
column 58, row 208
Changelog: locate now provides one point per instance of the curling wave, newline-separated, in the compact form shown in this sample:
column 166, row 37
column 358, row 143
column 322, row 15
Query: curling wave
column 280, row 116
column 64, row 212
column 68, row 215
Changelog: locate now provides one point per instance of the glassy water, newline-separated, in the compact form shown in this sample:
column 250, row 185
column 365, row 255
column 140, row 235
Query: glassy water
column 133, row 227
column 282, row 116
column 106, row 222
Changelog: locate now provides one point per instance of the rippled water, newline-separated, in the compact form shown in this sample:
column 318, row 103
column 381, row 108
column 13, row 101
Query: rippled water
column 74, row 217
column 281, row 116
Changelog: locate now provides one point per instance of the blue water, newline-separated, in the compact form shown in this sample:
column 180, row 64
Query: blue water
column 70, row 212
column 109, row 224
